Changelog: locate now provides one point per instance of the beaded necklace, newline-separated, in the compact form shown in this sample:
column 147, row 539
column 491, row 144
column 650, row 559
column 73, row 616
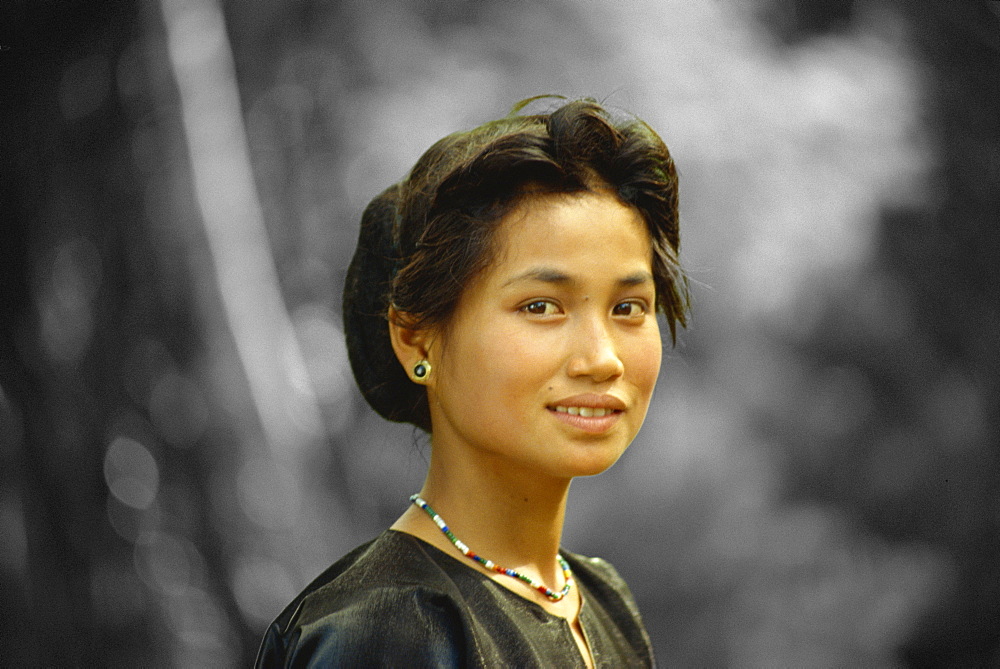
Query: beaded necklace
column 489, row 564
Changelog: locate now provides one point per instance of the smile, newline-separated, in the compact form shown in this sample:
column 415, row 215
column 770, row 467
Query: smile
column 592, row 420
column 586, row 412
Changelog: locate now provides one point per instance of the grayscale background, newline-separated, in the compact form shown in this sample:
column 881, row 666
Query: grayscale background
column 181, row 444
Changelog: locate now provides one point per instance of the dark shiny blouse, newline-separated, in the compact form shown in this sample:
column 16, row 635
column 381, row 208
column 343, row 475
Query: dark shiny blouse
column 397, row 601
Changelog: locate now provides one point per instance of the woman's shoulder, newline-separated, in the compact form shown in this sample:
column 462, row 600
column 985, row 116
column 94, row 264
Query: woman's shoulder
column 597, row 573
column 384, row 587
column 393, row 564
column 604, row 583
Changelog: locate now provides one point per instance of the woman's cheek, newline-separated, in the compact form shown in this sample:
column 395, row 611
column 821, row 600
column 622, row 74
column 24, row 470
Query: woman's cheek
column 647, row 360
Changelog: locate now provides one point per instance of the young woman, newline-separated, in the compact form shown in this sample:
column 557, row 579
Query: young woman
column 503, row 298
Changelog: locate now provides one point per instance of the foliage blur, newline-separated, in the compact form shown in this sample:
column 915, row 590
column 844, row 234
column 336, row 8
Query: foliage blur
column 181, row 445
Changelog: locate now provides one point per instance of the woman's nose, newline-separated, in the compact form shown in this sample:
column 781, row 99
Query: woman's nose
column 594, row 353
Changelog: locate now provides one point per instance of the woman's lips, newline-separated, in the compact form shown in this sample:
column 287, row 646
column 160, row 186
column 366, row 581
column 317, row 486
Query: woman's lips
column 591, row 424
column 591, row 413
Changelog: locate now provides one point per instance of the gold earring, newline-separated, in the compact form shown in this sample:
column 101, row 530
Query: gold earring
column 422, row 370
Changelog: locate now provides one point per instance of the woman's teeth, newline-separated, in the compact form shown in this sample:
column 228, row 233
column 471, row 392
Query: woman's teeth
column 586, row 412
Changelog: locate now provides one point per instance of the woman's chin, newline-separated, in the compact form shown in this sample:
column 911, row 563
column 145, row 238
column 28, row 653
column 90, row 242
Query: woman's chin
column 591, row 464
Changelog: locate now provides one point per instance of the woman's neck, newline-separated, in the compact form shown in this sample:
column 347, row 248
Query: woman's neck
column 514, row 518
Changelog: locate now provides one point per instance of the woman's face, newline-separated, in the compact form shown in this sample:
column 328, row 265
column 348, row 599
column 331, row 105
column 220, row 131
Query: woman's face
column 549, row 361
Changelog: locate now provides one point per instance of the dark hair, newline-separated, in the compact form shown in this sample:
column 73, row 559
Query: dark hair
column 424, row 239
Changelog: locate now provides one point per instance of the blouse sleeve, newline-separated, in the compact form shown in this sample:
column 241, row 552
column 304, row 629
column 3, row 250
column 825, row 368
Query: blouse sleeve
column 412, row 628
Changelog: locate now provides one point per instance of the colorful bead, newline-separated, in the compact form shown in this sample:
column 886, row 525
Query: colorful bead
column 489, row 564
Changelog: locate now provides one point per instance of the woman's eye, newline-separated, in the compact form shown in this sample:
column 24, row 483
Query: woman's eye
column 540, row 308
column 629, row 309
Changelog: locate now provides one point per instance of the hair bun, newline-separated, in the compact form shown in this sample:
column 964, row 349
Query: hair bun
column 367, row 288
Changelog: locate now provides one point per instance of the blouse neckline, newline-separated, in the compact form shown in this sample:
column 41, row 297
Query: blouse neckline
column 485, row 577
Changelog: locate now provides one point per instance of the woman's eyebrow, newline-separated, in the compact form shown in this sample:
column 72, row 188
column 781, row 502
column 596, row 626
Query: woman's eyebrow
column 554, row 276
column 636, row 279
column 543, row 274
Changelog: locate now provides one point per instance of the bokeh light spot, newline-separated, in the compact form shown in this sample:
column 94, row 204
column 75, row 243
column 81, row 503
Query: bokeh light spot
column 168, row 563
column 69, row 282
column 262, row 588
column 322, row 341
column 131, row 473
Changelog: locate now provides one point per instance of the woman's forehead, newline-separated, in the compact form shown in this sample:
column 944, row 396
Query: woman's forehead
column 552, row 229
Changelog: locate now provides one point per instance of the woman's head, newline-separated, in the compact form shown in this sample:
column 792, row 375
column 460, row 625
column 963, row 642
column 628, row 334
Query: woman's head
column 424, row 241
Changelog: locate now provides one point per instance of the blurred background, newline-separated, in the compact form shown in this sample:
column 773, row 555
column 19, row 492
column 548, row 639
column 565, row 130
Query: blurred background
column 181, row 444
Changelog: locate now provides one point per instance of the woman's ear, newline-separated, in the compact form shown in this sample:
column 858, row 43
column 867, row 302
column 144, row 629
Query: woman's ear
column 410, row 345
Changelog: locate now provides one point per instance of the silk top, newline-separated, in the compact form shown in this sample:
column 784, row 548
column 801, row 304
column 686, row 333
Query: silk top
column 398, row 601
